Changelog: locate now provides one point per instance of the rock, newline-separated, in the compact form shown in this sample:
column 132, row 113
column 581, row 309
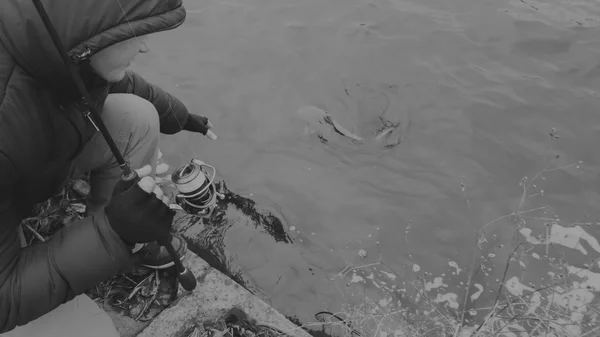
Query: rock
column 212, row 297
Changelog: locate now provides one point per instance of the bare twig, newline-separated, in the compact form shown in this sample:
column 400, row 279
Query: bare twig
column 589, row 333
column 420, row 293
column 474, row 256
column 35, row 233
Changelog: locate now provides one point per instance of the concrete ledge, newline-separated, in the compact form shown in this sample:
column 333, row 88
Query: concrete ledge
column 214, row 295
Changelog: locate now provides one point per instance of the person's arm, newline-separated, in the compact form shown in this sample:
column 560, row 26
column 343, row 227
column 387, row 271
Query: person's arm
column 37, row 279
column 172, row 112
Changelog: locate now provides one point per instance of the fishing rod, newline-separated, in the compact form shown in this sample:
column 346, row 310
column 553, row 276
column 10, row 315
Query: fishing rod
column 185, row 276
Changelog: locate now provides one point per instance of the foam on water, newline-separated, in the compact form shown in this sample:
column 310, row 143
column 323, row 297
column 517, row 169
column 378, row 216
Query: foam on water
column 451, row 299
column 478, row 293
column 569, row 237
column 456, row 267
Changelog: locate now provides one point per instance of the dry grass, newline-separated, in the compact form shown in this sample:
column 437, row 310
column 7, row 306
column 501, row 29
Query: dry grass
column 55, row 213
column 233, row 323
column 141, row 293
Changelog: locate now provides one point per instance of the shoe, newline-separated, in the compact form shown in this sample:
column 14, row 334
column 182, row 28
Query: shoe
column 154, row 256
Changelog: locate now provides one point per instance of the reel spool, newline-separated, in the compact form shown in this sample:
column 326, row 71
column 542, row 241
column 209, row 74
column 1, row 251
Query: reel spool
column 197, row 192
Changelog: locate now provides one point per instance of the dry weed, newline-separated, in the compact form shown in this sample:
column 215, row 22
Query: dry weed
column 141, row 293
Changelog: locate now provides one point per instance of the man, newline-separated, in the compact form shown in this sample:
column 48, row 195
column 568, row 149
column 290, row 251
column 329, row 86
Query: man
column 45, row 139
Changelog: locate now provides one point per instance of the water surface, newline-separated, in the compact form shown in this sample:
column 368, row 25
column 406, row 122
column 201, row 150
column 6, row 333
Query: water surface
column 478, row 86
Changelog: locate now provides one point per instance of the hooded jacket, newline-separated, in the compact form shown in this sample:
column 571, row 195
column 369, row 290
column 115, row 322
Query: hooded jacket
column 42, row 129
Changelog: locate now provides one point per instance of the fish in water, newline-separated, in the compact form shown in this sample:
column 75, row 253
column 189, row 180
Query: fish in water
column 321, row 123
column 373, row 103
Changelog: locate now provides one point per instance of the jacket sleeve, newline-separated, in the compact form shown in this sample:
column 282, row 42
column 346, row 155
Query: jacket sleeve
column 173, row 114
column 37, row 279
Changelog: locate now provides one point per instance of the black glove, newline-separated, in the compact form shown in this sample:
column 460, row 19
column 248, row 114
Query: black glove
column 138, row 216
column 200, row 124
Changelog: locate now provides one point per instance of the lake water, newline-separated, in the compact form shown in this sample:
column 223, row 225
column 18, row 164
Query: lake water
column 478, row 87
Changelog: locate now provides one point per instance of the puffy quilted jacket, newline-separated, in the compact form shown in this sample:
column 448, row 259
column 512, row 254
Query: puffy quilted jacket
column 42, row 129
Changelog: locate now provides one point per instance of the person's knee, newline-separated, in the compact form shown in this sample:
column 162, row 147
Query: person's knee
column 136, row 114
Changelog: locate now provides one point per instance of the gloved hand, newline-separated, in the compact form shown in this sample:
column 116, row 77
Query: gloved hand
column 138, row 211
column 200, row 124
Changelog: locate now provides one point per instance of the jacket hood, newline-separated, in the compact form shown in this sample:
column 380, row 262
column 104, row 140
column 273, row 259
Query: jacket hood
column 83, row 26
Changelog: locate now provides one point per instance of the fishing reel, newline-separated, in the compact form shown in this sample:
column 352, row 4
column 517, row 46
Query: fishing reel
column 197, row 192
